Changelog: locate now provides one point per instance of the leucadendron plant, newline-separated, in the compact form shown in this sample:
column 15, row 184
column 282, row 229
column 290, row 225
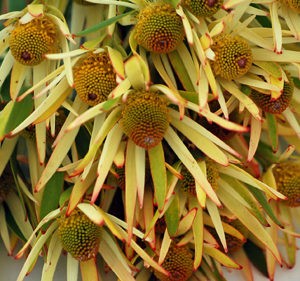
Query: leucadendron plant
column 149, row 140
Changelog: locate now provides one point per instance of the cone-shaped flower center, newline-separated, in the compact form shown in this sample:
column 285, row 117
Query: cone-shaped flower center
column 79, row 236
column 275, row 106
column 202, row 8
column 94, row 78
column 159, row 29
column 233, row 56
column 31, row 41
column 145, row 118
column 179, row 263
column 287, row 176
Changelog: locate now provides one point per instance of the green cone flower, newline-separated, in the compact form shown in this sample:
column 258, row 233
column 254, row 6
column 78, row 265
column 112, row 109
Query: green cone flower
column 179, row 263
column 94, row 78
column 277, row 106
column 159, row 29
column 145, row 118
column 233, row 57
column 30, row 42
column 287, row 176
column 202, row 8
column 79, row 236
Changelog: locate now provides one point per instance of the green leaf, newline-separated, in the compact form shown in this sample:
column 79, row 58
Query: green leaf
column 159, row 175
column 14, row 5
column 51, row 195
column 261, row 198
column 13, row 114
column 12, row 224
column 103, row 24
column 172, row 216
column 272, row 130
column 180, row 70
column 256, row 256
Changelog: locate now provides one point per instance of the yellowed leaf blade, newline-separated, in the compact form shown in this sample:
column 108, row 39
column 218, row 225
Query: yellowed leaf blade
column 112, row 258
column 109, row 151
column 220, row 257
column 130, row 187
column 202, row 142
column 89, row 270
column 186, row 222
column 216, row 219
column 91, row 212
column 53, row 255
column 244, row 99
column 255, row 133
column 188, row 160
column 249, row 221
column 158, row 172
column 197, row 233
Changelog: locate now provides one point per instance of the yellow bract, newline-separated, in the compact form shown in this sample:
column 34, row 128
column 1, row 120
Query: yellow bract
column 159, row 29
column 30, row 42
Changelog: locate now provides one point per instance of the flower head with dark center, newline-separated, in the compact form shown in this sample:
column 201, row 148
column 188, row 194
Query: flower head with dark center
column 202, row 8
column 30, row 42
column 159, row 29
column 233, row 56
column 145, row 118
column 94, row 78
column 79, row 236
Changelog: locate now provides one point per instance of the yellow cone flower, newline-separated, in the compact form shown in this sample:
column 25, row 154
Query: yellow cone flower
column 233, row 57
column 179, row 263
column 79, row 236
column 145, row 118
column 94, row 78
column 159, row 29
column 30, row 42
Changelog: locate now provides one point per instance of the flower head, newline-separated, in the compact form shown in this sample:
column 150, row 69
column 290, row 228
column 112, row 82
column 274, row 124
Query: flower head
column 179, row 263
column 94, row 78
column 79, row 236
column 233, row 56
column 202, row 8
column 287, row 176
column 145, row 118
column 30, row 42
column 159, row 29
column 274, row 106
